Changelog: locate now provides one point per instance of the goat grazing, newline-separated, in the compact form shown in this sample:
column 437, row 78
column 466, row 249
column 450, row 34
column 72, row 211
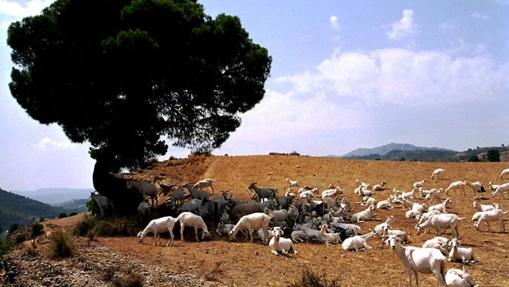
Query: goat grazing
column 418, row 184
column 158, row 226
column 484, row 207
column 500, row 189
column 489, row 216
column 437, row 173
column 207, row 182
column 192, row 220
column 252, row 222
column 419, row 260
column 460, row 184
column 504, row 173
column 476, row 187
column 441, row 222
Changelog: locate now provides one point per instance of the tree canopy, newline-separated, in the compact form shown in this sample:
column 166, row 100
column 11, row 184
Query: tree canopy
column 125, row 75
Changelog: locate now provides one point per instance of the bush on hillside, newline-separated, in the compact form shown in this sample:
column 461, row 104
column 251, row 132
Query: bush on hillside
column 36, row 229
column 474, row 158
column 132, row 279
column 493, row 155
column 106, row 227
column 311, row 279
column 62, row 215
column 61, row 244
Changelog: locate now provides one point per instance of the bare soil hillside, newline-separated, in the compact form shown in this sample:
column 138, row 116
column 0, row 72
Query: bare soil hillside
column 246, row 264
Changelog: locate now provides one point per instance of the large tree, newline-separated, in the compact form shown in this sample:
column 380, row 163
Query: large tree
column 126, row 75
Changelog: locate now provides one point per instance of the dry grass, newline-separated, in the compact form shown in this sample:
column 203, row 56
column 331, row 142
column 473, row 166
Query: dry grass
column 381, row 266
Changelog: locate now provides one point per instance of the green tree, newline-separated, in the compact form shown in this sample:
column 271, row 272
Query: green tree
column 493, row 155
column 124, row 75
column 473, row 158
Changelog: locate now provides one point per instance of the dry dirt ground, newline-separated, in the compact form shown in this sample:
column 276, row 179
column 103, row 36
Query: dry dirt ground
column 246, row 264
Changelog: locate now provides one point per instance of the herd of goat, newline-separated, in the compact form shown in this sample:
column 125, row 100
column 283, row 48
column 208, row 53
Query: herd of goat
column 303, row 214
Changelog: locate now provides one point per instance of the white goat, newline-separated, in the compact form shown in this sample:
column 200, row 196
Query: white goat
column 292, row 183
column 409, row 194
column 379, row 187
column 252, row 222
column 329, row 237
column 441, row 206
column 500, row 189
column 489, row 216
column 279, row 244
column 460, row 184
column 402, row 235
column 484, row 207
column 438, row 242
column 358, row 242
column 207, row 182
column 459, row 253
column 476, row 187
column 419, row 260
column 384, row 204
column 418, row 184
column 492, row 186
column 437, row 173
column 362, row 191
column 504, row 173
column 364, row 215
column 192, row 220
column 440, row 222
column 379, row 229
column 331, row 192
column 158, row 226
column 459, row 278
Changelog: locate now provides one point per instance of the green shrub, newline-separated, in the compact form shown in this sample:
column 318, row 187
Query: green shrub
column 474, row 158
column 19, row 238
column 93, row 208
column 73, row 214
column 493, row 155
column 36, row 229
column 61, row 244
column 5, row 247
column 106, row 227
column 62, row 215
column 311, row 279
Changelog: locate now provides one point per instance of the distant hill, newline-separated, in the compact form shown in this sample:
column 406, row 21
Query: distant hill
column 411, row 152
column 76, row 205
column 56, row 196
column 385, row 149
column 22, row 210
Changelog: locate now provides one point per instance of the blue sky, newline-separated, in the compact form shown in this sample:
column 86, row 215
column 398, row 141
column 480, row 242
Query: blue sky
column 345, row 74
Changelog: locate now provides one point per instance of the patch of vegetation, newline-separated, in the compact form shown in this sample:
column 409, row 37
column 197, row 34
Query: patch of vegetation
column 311, row 279
column 36, row 229
column 92, row 207
column 132, row 279
column 493, row 155
column 106, row 227
column 109, row 273
column 5, row 247
column 474, row 158
column 62, row 215
column 61, row 244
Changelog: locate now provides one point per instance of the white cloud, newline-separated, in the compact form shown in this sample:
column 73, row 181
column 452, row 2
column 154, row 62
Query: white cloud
column 478, row 15
column 448, row 25
column 404, row 77
column 333, row 20
column 402, row 28
column 15, row 9
column 48, row 144
column 286, row 122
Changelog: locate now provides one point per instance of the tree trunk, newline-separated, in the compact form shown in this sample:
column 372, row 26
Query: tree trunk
column 125, row 201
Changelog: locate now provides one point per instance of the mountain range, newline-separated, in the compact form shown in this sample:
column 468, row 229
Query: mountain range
column 57, row 196
column 385, row 149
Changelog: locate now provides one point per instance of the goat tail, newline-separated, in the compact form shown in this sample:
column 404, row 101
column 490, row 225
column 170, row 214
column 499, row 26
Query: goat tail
column 461, row 218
